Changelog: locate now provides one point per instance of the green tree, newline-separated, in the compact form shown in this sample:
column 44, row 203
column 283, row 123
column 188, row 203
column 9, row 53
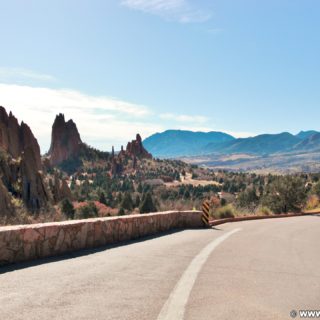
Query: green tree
column 137, row 202
column 102, row 198
column 140, row 188
column 316, row 189
column 223, row 202
column 121, row 212
column 285, row 194
column 67, row 208
column 109, row 198
column 127, row 202
column 248, row 198
column 186, row 194
column 88, row 211
column 147, row 204
column 119, row 197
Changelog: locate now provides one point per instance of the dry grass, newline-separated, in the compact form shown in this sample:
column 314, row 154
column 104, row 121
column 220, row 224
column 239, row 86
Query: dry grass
column 22, row 216
column 313, row 203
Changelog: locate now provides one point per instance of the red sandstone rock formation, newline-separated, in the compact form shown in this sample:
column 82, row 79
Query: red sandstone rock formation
column 15, row 138
column 60, row 189
column 34, row 191
column 65, row 141
column 30, row 142
column 19, row 143
column 116, row 166
column 21, row 168
column 136, row 149
column 6, row 207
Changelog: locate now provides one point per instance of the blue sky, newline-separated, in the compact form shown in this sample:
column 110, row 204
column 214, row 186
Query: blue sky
column 118, row 67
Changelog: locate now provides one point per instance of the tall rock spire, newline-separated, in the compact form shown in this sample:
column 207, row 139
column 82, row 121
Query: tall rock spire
column 65, row 140
column 136, row 149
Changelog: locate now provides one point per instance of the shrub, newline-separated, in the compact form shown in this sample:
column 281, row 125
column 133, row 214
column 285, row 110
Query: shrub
column 223, row 202
column 316, row 189
column 227, row 211
column 121, row 212
column 67, row 208
column 102, row 198
column 88, row 211
column 285, row 194
column 264, row 211
column 248, row 198
column 312, row 202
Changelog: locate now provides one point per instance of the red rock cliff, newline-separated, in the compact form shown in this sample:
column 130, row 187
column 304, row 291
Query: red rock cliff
column 15, row 138
column 65, row 141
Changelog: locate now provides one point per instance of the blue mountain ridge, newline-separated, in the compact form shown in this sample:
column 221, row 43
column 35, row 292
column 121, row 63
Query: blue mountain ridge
column 178, row 143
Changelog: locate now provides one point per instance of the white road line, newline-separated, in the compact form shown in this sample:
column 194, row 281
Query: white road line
column 174, row 308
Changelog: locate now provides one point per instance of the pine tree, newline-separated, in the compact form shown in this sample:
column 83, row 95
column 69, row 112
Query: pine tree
column 67, row 208
column 110, row 199
column 127, row 202
column 121, row 212
column 138, row 201
column 147, row 204
column 102, row 198
column 88, row 211
column 140, row 189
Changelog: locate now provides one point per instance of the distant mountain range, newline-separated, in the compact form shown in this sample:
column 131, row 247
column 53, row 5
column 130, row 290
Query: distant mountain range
column 179, row 143
column 175, row 143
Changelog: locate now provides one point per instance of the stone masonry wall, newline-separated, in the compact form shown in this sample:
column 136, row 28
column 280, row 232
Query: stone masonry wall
column 28, row 242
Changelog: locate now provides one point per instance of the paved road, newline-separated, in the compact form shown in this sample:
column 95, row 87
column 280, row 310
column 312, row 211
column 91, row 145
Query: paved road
column 246, row 270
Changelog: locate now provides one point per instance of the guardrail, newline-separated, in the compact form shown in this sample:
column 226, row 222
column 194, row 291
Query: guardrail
column 247, row 218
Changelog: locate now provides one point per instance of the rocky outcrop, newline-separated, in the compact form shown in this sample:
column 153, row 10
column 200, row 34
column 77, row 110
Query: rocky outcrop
column 136, row 149
column 60, row 189
column 22, row 174
column 21, row 166
column 5, row 142
column 15, row 138
column 134, row 152
column 30, row 143
column 6, row 207
column 14, row 133
column 116, row 166
column 34, row 191
column 65, row 141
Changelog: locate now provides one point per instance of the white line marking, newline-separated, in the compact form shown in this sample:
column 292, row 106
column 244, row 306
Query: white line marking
column 174, row 307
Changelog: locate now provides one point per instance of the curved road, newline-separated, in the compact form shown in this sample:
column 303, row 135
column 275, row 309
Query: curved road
column 245, row 270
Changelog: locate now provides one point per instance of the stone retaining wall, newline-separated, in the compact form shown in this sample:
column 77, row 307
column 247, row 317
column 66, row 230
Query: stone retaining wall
column 28, row 242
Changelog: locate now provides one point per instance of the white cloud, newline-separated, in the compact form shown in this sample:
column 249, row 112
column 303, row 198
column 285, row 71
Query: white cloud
column 102, row 121
column 184, row 118
column 179, row 10
column 241, row 134
column 21, row 74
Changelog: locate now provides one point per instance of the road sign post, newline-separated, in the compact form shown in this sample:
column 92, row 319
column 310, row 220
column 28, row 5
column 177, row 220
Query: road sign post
column 205, row 213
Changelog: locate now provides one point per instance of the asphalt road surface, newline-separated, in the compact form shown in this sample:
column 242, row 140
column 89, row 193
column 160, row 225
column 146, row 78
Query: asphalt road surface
column 246, row 270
